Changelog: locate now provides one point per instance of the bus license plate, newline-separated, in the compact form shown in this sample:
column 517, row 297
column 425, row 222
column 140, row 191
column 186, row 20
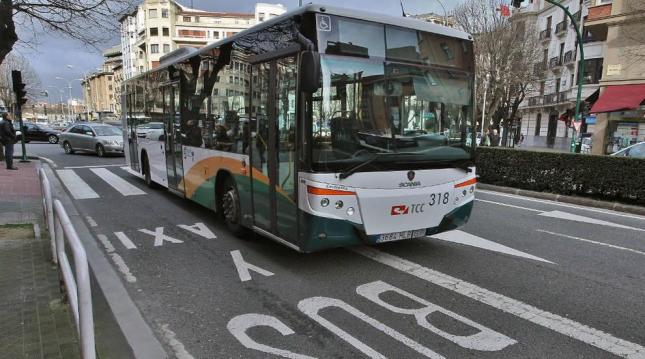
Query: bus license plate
column 389, row 237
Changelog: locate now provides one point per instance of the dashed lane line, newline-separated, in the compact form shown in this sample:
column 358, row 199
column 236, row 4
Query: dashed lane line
column 568, row 327
column 592, row 242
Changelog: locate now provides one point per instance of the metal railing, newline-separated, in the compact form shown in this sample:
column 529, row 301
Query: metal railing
column 545, row 34
column 569, row 57
column 555, row 63
column 77, row 281
column 561, row 27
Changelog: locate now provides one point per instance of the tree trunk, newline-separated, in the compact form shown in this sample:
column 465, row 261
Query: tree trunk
column 8, row 35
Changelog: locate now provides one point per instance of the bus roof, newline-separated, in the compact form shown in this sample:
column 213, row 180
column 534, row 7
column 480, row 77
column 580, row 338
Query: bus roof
column 406, row 22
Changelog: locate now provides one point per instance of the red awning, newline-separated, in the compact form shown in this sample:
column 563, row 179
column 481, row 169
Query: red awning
column 619, row 98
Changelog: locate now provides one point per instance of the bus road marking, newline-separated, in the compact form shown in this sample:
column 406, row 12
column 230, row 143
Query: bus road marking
column 160, row 237
column 124, row 187
column 75, row 185
column 116, row 258
column 583, row 219
column 200, row 229
column 127, row 243
column 567, row 327
column 243, row 267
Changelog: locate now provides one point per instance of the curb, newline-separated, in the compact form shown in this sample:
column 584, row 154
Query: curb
column 582, row 201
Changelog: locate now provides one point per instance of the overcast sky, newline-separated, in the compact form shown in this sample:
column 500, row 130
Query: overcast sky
column 53, row 53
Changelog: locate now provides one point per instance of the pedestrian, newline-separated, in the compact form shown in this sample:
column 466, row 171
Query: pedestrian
column 8, row 138
column 495, row 138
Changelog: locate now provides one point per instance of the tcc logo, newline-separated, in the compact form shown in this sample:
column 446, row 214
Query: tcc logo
column 399, row 210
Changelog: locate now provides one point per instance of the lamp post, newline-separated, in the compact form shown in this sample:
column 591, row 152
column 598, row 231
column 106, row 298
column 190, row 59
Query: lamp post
column 484, row 105
column 60, row 93
column 445, row 13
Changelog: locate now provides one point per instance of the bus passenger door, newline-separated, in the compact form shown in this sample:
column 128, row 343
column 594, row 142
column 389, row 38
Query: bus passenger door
column 172, row 124
column 273, row 148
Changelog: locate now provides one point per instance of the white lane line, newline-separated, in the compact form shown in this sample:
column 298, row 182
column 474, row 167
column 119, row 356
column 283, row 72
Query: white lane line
column 118, row 183
column 93, row 166
column 75, row 185
column 583, row 219
column 127, row 243
column 554, row 203
column 91, row 221
column 508, row 205
column 117, row 259
column 132, row 172
column 171, row 339
column 568, row 327
column 468, row 239
column 593, row 242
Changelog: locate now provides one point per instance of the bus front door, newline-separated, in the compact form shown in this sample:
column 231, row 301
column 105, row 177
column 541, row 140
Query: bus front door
column 172, row 123
column 273, row 148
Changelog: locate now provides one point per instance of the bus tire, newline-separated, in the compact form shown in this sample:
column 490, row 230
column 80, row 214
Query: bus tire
column 230, row 208
column 146, row 172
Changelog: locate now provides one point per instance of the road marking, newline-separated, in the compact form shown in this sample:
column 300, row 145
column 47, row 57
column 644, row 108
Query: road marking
column 132, row 172
column 578, row 218
column 593, row 242
column 243, row 267
column 91, row 221
column 525, row 311
column 200, row 229
column 93, row 166
column 554, row 203
column 508, row 205
column 468, row 239
column 124, row 187
column 160, row 237
column 75, row 185
column 127, row 243
column 312, row 307
column 239, row 325
column 116, row 258
column 171, row 338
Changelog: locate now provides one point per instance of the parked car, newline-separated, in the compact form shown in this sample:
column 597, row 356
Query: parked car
column 99, row 138
column 144, row 129
column 34, row 132
column 636, row 151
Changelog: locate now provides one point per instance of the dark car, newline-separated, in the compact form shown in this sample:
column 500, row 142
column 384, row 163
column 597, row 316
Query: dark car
column 34, row 132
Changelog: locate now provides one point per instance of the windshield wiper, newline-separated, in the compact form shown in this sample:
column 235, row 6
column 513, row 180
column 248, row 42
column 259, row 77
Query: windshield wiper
column 353, row 170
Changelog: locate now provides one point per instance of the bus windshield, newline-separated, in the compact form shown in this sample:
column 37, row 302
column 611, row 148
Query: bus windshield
column 401, row 103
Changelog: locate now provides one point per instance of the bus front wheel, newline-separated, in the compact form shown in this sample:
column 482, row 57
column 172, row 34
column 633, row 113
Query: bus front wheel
column 230, row 208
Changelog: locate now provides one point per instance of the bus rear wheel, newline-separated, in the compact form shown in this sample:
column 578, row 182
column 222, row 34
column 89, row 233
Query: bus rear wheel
column 230, row 208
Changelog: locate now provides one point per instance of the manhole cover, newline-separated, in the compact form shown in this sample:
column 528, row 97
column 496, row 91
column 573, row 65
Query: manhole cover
column 17, row 231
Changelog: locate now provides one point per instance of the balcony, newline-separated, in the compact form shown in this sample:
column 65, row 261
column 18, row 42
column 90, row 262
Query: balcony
column 599, row 12
column 545, row 35
column 576, row 17
column 561, row 28
column 555, row 63
column 562, row 97
column 535, row 101
column 570, row 58
column 539, row 69
column 550, row 98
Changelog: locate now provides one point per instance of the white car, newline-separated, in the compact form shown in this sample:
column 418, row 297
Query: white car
column 144, row 129
column 636, row 151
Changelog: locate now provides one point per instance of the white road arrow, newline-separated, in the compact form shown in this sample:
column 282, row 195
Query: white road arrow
column 468, row 239
column 243, row 267
column 578, row 218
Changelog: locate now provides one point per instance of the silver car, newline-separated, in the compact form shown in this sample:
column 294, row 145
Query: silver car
column 99, row 138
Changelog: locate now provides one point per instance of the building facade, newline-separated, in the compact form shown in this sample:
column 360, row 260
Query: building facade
column 436, row 19
column 102, row 88
column 619, row 110
column 548, row 108
column 157, row 27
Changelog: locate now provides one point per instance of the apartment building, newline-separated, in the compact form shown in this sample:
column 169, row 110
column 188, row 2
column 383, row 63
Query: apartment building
column 549, row 105
column 157, row 27
column 102, row 89
column 436, row 19
column 620, row 107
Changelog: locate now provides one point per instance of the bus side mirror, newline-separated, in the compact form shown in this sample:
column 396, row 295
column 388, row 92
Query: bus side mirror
column 309, row 71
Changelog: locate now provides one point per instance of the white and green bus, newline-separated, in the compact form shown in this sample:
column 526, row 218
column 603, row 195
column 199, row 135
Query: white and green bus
column 320, row 128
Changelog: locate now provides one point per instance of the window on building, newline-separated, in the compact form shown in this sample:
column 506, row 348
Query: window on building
column 166, row 48
column 593, row 71
column 261, row 16
column 154, row 48
column 542, row 88
column 164, row 13
column 538, row 121
column 154, row 31
column 165, row 31
column 109, row 78
column 140, row 54
column 196, row 18
column 152, row 13
column 186, row 18
column 110, row 87
column 216, row 34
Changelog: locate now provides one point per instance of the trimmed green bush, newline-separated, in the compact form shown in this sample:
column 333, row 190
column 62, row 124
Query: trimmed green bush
column 601, row 177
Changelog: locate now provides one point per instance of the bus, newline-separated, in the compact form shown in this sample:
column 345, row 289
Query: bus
column 323, row 127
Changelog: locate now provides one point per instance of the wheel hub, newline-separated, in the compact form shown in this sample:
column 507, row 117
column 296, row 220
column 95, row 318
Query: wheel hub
column 230, row 206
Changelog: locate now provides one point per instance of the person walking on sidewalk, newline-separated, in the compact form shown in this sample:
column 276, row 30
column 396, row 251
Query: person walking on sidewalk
column 8, row 138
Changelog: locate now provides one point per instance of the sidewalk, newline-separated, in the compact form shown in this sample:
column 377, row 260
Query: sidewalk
column 34, row 321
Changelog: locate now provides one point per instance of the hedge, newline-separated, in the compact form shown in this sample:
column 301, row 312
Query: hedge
column 601, row 177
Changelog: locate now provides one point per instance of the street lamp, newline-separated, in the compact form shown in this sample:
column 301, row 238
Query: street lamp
column 60, row 93
column 69, row 99
column 445, row 13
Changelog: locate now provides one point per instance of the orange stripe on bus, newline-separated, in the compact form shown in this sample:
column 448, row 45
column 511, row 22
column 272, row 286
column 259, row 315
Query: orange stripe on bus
column 466, row 183
column 328, row 192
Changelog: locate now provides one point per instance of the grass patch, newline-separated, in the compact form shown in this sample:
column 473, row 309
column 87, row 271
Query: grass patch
column 17, row 231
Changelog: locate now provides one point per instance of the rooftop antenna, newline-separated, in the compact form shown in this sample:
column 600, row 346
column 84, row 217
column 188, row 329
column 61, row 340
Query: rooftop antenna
column 402, row 9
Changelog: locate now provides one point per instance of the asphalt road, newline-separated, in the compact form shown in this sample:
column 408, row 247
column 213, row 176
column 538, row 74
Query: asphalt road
column 526, row 278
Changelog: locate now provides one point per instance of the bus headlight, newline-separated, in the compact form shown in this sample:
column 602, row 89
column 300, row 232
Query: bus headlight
column 339, row 204
column 350, row 211
column 324, row 202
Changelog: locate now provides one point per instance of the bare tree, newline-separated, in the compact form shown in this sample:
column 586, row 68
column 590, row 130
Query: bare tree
column 506, row 51
column 90, row 21
column 15, row 61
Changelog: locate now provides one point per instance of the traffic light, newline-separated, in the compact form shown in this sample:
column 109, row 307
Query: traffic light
column 19, row 88
column 516, row 3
